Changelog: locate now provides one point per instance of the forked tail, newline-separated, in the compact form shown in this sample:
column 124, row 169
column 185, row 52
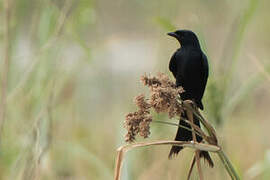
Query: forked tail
column 186, row 135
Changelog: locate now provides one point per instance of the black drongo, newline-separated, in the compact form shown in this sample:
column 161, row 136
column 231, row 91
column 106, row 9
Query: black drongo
column 190, row 68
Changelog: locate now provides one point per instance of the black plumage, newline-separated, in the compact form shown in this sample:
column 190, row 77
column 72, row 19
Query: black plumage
column 189, row 66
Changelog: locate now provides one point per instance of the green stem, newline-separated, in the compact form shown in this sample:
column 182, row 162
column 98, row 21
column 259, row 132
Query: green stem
column 174, row 124
column 228, row 165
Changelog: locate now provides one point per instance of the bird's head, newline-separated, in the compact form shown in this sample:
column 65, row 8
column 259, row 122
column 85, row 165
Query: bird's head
column 185, row 37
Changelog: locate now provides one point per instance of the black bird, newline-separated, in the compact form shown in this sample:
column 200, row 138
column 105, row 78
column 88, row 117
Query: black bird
column 189, row 66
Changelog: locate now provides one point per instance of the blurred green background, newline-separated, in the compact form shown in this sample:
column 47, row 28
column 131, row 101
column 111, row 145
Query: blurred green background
column 74, row 68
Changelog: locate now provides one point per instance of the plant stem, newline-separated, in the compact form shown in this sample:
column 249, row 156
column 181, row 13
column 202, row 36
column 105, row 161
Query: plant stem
column 174, row 124
column 211, row 131
column 228, row 165
column 197, row 152
column 191, row 167
column 123, row 149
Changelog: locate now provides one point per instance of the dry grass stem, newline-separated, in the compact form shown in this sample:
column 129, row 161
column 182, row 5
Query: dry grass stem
column 202, row 135
column 212, row 138
column 197, row 130
column 123, row 149
column 191, row 167
column 197, row 156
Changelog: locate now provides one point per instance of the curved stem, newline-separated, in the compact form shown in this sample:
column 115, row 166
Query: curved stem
column 123, row 149
column 228, row 165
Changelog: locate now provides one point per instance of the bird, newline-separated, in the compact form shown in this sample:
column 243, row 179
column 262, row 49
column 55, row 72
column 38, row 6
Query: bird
column 189, row 66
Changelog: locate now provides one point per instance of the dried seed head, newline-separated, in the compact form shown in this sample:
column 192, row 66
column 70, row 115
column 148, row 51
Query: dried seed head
column 141, row 103
column 150, row 81
column 164, row 97
column 145, row 128
column 137, row 123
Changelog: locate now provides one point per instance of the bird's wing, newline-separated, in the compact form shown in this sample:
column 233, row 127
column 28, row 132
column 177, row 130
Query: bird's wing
column 173, row 65
column 205, row 68
column 205, row 72
column 193, row 76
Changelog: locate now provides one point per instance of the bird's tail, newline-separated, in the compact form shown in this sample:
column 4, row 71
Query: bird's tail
column 186, row 135
column 206, row 156
column 181, row 135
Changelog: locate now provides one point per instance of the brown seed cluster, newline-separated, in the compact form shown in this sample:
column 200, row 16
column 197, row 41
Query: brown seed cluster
column 138, row 122
column 164, row 97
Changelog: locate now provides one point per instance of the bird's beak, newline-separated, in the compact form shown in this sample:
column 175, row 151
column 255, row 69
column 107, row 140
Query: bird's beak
column 173, row 34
